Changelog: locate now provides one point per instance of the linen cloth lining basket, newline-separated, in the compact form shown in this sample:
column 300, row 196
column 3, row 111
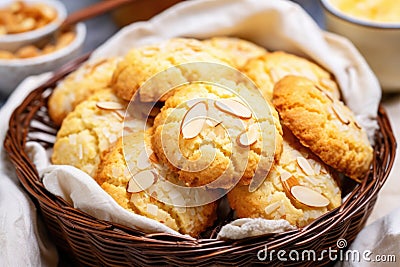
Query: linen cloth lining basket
column 92, row 242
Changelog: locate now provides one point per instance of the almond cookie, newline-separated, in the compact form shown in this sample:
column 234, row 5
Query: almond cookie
column 211, row 137
column 268, row 69
column 324, row 124
column 299, row 189
column 238, row 50
column 89, row 130
column 126, row 172
column 78, row 86
column 142, row 63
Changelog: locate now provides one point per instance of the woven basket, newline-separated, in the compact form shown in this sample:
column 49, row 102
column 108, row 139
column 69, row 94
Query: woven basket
column 93, row 242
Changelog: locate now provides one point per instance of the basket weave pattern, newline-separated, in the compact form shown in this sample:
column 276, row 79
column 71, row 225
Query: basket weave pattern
column 92, row 242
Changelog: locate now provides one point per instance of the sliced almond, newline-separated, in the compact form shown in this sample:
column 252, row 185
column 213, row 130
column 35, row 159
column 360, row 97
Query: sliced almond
column 120, row 113
column 219, row 131
column 92, row 68
column 325, row 92
column 319, row 88
column 357, row 125
column 193, row 128
column 109, row 105
column 309, row 197
column 117, row 116
column 150, row 50
column 249, row 136
column 272, row 207
column 317, row 169
column 212, row 123
column 193, row 102
column 327, row 82
column 324, row 170
column 80, row 151
column 339, row 114
column 193, row 121
column 288, row 181
column 143, row 161
column 305, row 166
column 141, row 181
column 234, row 108
column 329, row 95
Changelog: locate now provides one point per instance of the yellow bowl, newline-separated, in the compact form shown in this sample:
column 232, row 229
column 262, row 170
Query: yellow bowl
column 378, row 42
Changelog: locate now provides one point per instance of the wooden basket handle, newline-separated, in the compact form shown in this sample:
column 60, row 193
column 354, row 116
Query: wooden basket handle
column 93, row 11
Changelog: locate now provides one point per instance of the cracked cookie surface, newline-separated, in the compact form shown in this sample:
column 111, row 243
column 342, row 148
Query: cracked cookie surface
column 323, row 124
column 238, row 50
column 214, row 157
column 142, row 63
column 272, row 201
column 78, row 86
column 268, row 69
column 123, row 161
column 88, row 131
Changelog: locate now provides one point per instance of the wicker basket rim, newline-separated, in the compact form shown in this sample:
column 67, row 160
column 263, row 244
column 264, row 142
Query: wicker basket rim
column 18, row 134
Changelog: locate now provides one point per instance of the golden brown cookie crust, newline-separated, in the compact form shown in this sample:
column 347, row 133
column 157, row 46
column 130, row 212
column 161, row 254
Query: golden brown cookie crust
column 78, row 86
column 88, row 131
column 238, row 50
column 212, row 140
column 324, row 125
column 114, row 175
column 268, row 69
column 272, row 201
column 142, row 63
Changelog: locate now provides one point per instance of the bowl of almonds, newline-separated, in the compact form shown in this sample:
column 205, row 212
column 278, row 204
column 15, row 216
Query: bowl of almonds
column 28, row 21
column 34, row 59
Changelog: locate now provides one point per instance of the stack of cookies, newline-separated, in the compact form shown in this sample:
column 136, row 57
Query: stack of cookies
column 173, row 127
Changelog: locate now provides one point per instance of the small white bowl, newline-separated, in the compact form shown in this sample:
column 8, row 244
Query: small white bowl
column 11, row 42
column 378, row 42
column 12, row 72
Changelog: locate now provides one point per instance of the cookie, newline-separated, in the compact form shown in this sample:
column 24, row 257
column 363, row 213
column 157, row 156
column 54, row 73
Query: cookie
column 210, row 137
column 78, row 86
column 238, row 50
column 268, row 69
column 142, row 63
column 89, row 130
column 299, row 189
column 115, row 175
column 324, row 124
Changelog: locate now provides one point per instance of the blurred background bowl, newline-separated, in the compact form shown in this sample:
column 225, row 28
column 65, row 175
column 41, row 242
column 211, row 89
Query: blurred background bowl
column 11, row 42
column 378, row 42
column 13, row 71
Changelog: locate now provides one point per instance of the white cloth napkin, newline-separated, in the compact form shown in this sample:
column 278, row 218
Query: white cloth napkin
column 23, row 241
column 379, row 243
column 275, row 25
